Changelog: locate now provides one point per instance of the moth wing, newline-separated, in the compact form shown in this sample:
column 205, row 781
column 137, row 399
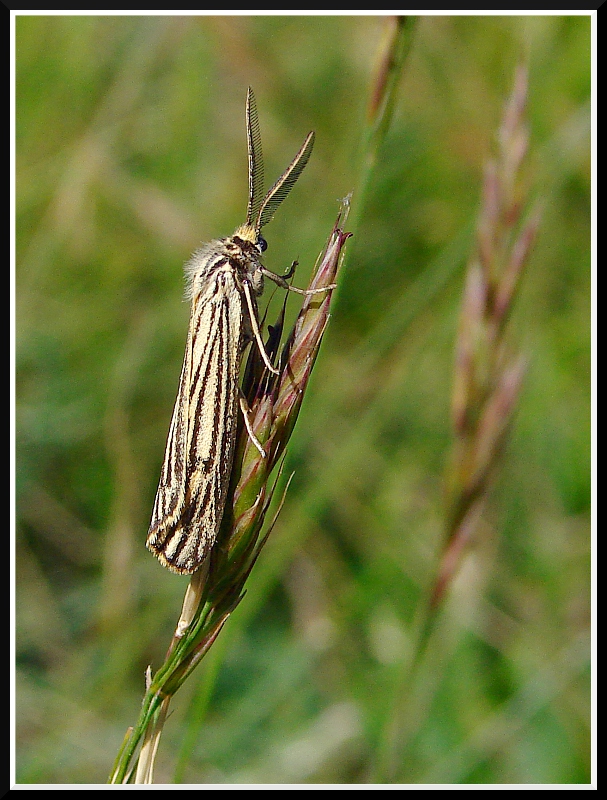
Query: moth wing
column 198, row 459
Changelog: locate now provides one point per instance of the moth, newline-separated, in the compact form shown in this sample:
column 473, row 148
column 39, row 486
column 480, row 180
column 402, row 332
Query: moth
column 224, row 278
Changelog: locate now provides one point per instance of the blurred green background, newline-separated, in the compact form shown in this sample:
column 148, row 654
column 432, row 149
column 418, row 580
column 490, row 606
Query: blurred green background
column 130, row 151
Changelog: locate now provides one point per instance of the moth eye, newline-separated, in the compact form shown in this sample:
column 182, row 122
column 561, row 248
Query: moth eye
column 261, row 244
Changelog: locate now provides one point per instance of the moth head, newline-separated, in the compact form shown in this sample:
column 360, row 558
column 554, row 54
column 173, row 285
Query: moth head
column 248, row 233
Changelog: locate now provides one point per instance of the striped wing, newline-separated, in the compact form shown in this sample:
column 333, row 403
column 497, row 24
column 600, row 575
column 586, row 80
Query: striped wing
column 198, row 459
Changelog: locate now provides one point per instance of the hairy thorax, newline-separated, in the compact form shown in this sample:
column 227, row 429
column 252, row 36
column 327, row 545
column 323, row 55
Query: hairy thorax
column 235, row 258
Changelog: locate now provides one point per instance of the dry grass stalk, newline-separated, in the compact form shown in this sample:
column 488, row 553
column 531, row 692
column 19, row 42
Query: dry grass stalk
column 488, row 375
column 487, row 382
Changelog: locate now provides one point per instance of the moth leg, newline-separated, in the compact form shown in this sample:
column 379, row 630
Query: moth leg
column 255, row 327
column 244, row 407
column 281, row 280
column 291, row 271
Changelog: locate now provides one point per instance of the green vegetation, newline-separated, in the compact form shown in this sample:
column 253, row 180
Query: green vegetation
column 131, row 151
